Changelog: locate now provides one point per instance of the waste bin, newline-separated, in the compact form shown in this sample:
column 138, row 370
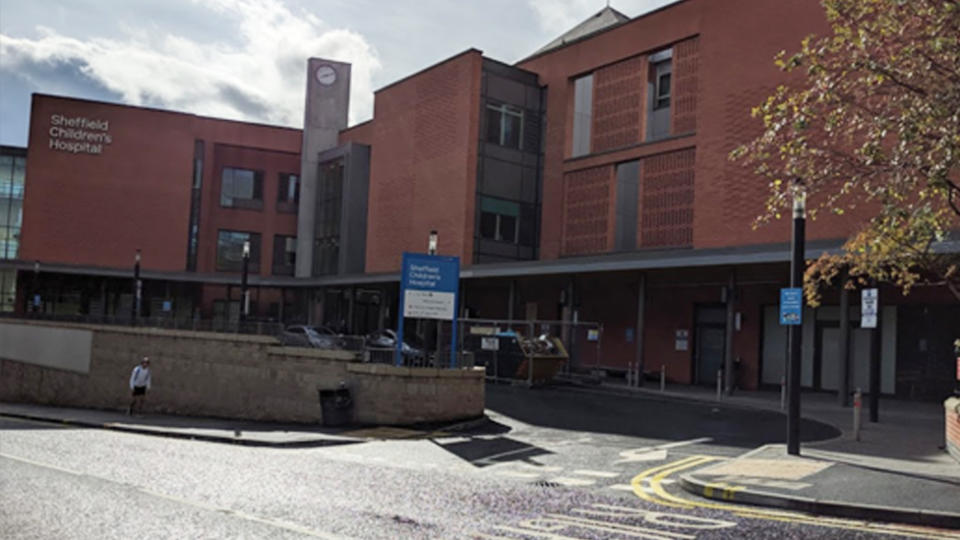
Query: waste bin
column 337, row 406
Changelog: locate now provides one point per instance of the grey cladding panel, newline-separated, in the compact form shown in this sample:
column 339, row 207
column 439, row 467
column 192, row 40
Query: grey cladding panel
column 502, row 179
column 505, row 90
column 628, row 177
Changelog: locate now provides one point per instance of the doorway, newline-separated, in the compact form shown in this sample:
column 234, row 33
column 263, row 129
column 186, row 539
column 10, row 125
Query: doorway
column 711, row 341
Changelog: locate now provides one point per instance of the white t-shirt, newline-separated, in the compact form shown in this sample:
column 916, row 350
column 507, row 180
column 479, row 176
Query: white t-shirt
column 140, row 377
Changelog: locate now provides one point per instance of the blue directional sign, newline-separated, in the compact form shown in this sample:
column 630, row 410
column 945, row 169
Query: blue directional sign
column 791, row 306
column 428, row 290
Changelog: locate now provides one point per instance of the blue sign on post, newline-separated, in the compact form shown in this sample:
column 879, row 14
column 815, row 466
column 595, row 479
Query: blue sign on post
column 428, row 290
column 791, row 306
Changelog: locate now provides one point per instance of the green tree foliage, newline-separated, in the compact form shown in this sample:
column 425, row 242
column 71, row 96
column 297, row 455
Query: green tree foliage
column 871, row 120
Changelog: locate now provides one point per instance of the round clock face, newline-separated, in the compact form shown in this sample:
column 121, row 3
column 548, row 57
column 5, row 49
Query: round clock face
column 326, row 75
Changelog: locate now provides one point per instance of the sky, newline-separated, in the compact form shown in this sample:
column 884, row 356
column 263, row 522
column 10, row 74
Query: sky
column 246, row 59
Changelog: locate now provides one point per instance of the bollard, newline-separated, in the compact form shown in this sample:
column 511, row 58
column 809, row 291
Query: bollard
column 783, row 392
column 719, row 384
column 857, row 407
column 663, row 377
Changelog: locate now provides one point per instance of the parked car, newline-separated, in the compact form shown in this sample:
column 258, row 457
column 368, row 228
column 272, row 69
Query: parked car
column 318, row 337
column 387, row 339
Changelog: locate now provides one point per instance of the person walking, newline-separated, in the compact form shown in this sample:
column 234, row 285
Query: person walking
column 139, row 384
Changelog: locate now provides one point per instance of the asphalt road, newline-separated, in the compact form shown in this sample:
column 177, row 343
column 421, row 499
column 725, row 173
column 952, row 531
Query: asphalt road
column 516, row 479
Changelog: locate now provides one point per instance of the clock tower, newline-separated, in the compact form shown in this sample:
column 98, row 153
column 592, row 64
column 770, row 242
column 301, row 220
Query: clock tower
column 324, row 116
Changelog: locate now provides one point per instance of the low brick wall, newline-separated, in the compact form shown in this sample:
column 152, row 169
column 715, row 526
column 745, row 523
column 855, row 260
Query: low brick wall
column 397, row 395
column 952, row 411
column 236, row 376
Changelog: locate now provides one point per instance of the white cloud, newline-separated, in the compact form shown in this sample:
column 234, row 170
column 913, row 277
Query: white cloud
column 259, row 76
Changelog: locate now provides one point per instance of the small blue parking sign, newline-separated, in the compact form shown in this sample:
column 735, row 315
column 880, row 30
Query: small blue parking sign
column 791, row 306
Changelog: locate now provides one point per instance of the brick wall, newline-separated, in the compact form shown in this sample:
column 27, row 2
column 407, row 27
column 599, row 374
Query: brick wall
column 618, row 104
column 236, row 376
column 686, row 86
column 424, row 163
column 666, row 203
column 587, row 209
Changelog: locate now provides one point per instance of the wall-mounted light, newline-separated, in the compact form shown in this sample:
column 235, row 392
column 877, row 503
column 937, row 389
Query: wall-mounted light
column 432, row 244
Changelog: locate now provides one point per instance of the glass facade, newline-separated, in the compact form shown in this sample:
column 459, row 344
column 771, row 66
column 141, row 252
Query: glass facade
column 326, row 249
column 13, row 168
column 12, row 173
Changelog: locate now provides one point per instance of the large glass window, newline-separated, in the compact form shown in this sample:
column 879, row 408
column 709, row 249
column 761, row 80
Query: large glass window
column 582, row 114
column 241, row 188
column 284, row 254
column 230, row 251
column 499, row 220
column 505, row 126
column 12, row 169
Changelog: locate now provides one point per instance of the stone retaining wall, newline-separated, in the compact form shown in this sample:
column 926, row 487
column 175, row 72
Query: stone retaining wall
column 237, row 376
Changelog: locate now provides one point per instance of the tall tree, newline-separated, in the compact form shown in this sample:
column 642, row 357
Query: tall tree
column 871, row 120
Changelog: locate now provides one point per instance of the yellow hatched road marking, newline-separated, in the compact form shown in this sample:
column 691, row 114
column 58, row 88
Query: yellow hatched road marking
column 662, row 497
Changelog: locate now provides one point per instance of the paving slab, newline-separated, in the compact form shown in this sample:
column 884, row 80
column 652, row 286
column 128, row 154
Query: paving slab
column 768, row 476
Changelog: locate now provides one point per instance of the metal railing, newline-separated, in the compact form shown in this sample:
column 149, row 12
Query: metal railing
column 254, row 327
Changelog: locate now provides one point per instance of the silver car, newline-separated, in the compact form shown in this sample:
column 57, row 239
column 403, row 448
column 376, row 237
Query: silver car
column 311, row 336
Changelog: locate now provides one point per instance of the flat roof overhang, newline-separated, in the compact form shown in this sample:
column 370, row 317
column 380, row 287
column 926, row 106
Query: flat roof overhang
column 619, row 262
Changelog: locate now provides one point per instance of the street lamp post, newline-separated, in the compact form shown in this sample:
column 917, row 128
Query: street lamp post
column 137, row 288
column 795, row 331
column 245, row 294
column 432, row 250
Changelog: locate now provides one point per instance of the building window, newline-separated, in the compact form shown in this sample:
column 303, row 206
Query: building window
column 661, row 96
column 582, row 114
column 505, row 126
column 230, row 251
column 499, row 220
column 284, row 255
column 289, row 188
column 658, row 90
column 241, row 188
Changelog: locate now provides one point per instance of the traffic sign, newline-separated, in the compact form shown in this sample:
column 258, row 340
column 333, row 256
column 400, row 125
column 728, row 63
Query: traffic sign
column 869, row 301
column 791, row 306
column 428, row 290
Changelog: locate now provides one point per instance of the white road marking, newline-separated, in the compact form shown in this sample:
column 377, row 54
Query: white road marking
column 518, row 474
column 572, row 482
column 599, row 474
column 647, row 453
column 622, row 487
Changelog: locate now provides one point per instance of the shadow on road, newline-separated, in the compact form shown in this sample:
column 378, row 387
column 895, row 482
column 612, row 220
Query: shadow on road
column 490, row 451
column 647, row 417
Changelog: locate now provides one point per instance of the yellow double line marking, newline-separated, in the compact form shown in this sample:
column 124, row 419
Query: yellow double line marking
column 655, row 476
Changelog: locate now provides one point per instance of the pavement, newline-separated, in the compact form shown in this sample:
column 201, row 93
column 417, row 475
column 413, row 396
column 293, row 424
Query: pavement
column 898, row 469
column 246, row 433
